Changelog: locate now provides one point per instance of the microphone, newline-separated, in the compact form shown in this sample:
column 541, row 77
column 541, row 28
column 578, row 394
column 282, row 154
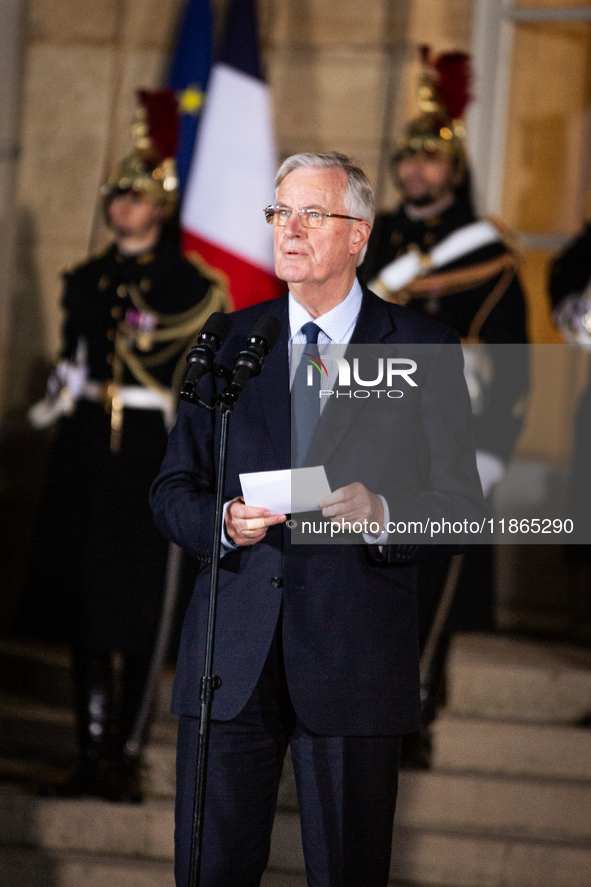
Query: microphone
column 201, row 357
column 249, row 361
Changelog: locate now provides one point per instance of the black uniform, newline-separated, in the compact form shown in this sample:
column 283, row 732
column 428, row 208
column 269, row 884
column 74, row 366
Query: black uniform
column 99, row 563
column 570, row 275
column 486, row 305
column 570, row 272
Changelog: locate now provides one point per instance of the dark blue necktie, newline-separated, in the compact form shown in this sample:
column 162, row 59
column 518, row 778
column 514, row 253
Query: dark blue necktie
column 305, row 399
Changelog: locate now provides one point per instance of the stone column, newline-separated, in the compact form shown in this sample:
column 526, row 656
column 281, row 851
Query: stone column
column 11, row 53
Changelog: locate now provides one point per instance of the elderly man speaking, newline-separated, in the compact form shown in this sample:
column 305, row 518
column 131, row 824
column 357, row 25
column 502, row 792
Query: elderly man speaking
column 316, row 644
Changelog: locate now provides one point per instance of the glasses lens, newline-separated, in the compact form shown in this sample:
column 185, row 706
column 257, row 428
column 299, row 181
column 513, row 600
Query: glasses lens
column 269, row 214
column 311, row 218
column 282, row 214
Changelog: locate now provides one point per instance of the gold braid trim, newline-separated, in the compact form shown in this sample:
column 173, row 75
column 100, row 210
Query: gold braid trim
column 134, row 364
column 183, row 320
column 217, row 301
column 449, row 282
column 179, row 337
column 222, row 280
column 493, row 298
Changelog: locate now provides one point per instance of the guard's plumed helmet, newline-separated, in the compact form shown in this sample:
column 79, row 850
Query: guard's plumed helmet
column 444, row 92
column 151, row 168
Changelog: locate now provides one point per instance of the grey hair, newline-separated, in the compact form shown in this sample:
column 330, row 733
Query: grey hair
column 359, row 198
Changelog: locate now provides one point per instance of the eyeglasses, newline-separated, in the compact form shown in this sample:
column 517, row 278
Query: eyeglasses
column 309, row 218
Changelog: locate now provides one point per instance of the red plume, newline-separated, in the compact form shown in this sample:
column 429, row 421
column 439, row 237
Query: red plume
column 453, row 85
column 163, row 119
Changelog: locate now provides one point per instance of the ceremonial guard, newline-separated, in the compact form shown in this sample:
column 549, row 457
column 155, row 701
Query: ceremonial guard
column 436, row 256
column 99, row 563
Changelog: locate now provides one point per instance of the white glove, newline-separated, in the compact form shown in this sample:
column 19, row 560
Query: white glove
column 64, row 387
column 490, row 470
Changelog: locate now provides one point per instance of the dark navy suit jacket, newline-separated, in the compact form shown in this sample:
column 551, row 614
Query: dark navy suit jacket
column 349, row 611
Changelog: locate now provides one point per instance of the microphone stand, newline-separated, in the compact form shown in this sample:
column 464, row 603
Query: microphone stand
column 248, row 363
column 209, row 682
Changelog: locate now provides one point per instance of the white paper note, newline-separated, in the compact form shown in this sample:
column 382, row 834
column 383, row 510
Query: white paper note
column 286, row 492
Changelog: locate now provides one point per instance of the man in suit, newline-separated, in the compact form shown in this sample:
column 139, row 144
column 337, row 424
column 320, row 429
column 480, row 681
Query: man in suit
column 316, row 645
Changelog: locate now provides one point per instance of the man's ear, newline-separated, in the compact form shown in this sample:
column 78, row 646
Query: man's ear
column 360, row 232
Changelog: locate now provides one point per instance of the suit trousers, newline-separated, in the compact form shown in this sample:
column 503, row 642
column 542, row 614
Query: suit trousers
column 346, row 787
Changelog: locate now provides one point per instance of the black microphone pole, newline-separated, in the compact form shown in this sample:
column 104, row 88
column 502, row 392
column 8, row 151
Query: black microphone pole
column 248, row 363
column 209, row 681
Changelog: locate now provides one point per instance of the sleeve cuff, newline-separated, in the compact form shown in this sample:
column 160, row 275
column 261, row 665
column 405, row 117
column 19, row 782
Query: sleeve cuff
column 383, row 537
column 227, row 544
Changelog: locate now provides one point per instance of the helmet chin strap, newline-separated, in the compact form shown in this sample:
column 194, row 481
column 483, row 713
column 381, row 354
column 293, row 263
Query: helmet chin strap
column 421, row 209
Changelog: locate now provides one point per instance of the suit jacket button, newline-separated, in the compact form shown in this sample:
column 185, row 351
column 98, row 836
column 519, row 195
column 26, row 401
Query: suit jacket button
column 276, row 582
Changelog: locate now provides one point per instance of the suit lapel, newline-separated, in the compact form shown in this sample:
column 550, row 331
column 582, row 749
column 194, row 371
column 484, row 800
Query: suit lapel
column 375, row 323
column 273, row 388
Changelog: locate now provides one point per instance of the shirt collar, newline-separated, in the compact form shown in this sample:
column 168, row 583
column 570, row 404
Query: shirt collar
column 337, row 324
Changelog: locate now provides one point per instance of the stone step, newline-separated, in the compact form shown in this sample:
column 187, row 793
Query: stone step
column 511, row 748
column 534, row 809
column 20, row 868
column 143, row 831
column 28, row 727
column 158, row 772
column 491, row 676
column 555, row 810
column 449, row 859
column 38, row 746
column 33, row 729
column 65, row 842
column 25, row 868
column 41, row 673
column 537, row 808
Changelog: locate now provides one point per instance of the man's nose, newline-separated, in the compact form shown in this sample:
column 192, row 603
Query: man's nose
column 294, row 226
column 411, row 165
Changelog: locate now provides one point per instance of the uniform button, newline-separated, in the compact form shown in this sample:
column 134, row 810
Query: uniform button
column 116, row 312
column 276, row 582
column 110, row 335
column 122, row 291
column 110, row 358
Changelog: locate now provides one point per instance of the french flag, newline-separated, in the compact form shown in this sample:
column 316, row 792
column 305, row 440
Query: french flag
column 233, row 167
column 188, row 76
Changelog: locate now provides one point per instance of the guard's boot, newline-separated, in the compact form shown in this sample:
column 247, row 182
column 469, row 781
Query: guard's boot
column 130, row 729
column 124, row 779
column 93, row 697
column 416, row 748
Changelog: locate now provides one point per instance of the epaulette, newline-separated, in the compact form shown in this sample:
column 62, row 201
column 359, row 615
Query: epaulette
column 68, row 270
column 215, row 275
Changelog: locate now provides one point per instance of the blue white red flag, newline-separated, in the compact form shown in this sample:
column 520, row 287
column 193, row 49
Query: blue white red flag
column 233, row 167
column 188, row 76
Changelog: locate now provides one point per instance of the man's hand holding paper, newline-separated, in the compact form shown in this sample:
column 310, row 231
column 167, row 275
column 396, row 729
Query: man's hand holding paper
column 353, row 503
column 247, row 524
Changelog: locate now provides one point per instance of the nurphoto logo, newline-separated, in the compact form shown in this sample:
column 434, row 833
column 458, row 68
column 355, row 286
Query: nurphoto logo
column 388, row 371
